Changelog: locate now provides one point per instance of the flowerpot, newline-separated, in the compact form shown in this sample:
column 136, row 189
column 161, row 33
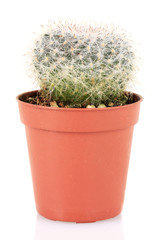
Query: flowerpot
column 79, row 158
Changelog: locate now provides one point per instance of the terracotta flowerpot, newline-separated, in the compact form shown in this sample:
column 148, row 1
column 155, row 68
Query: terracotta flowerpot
column 79, row 158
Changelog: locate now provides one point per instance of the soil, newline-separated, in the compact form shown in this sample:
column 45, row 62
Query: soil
column 41, row 101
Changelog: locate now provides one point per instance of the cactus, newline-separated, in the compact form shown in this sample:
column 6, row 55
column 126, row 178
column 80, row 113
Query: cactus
column 82, row 65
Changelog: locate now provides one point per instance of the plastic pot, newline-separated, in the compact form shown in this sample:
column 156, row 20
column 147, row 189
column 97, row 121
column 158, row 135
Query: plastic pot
column 79, row 158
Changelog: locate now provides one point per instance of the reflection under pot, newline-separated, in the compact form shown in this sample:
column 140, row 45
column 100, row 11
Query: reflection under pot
column 111, row 229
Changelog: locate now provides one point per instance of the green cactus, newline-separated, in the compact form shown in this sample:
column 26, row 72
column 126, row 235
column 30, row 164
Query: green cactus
column 83, row 65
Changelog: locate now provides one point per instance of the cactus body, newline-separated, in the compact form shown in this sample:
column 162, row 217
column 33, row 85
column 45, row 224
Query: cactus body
column 83, row 65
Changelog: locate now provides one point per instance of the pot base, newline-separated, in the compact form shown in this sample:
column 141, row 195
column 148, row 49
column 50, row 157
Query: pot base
column 70, row 217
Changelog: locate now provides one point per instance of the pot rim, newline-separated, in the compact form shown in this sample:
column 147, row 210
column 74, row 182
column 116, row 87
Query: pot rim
column 138, row 96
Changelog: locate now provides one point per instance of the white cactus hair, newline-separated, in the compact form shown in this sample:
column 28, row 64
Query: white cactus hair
column 82, row 63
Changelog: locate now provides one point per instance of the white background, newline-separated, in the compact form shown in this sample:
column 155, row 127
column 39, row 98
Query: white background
column 142, row 216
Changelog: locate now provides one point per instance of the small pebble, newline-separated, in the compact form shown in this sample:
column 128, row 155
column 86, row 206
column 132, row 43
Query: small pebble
column 101, row 106
column 111, row 104
column 61, row 104
column 90, row 106
column 53, row 104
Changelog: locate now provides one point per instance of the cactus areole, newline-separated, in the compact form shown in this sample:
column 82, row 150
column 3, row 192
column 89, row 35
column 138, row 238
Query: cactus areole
column 79, row 125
